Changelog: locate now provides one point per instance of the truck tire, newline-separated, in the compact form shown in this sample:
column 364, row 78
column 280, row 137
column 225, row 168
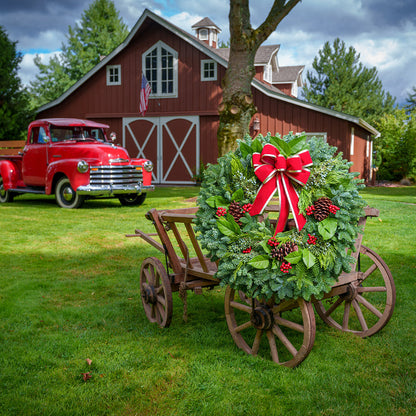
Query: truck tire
column 132, row 199
column 5, row 196
column 65, row 196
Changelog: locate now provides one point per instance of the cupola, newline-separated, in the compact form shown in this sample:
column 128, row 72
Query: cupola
column 207, row 31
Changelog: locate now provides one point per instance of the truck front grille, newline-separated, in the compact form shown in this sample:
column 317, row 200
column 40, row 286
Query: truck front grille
column 115, row 175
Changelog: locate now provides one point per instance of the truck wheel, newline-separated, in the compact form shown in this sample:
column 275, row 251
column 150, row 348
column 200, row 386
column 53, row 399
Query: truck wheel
column 5, row 196
column 65, row 196
column 132, row 199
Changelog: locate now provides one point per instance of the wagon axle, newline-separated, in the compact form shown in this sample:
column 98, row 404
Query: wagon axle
column 149, row 294
column 262, row 318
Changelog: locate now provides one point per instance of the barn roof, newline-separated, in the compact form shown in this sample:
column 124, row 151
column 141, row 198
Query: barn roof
column 262, row 55
column 215, row 54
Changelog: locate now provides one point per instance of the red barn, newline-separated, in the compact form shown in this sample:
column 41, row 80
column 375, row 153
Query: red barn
column 178, row 131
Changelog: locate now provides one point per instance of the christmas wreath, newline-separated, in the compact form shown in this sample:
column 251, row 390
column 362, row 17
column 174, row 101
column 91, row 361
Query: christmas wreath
column 262, row 256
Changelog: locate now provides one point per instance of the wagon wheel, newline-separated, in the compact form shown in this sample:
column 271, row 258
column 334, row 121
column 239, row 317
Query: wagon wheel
column 156, row 292
column 368, row 304
column 288, row 327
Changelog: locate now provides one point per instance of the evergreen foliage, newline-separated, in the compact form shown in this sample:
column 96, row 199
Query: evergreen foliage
column 98, row 33
column 14, row 100
column 246, row 254
column 339, row 81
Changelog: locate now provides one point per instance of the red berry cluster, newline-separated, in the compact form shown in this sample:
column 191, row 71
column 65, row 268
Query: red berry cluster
column 310, row 210
column 247, row 207
column 285, row 267
column 311, row 239
column 273, row 242
column 333, row 209
column 221, row 211
column 247, row 250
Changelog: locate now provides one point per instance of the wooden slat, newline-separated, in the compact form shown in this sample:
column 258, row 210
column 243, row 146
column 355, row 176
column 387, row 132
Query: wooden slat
column 14, row 144
column 196, row 247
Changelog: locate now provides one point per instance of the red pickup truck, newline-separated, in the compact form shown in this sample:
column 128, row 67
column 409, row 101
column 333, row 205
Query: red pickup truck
column 74, row 160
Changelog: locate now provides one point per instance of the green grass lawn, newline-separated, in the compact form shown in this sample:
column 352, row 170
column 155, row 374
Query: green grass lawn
column 69, row 292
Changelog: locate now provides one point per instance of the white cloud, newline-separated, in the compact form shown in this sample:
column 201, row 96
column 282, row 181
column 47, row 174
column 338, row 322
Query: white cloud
column 28, row 69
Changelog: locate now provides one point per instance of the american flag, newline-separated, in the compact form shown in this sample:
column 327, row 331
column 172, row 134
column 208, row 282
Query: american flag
column 145, row 91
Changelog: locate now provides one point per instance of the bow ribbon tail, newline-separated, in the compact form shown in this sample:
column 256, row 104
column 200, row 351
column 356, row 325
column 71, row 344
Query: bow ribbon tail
column 264, row 195
column 284, row 205
column 292, row 200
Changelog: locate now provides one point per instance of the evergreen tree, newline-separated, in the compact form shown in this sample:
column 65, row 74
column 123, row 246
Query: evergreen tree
column 341, row 82
column 411, row 99
column 14, row 99
column 99, row 32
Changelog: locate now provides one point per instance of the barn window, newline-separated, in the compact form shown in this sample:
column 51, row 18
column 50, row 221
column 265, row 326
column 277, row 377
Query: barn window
column 203, row 34
column 208, row 70
column 320, row 135
column 114, row 75
column 160, row 66
column 352, row 142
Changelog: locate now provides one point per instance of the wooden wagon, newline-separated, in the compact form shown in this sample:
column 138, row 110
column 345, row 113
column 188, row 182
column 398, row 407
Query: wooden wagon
column 361, row 302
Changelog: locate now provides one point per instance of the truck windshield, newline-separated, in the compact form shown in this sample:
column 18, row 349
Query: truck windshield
column 60, row 134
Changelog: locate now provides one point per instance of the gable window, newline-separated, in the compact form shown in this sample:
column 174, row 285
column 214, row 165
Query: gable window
column 114, row 75
column 160, row 66
column 208, row 70
column 267, row 73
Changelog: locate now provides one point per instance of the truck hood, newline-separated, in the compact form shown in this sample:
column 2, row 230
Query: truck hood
column 90, row 151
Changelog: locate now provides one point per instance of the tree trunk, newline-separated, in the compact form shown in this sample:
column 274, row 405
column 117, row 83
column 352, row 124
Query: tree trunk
column 237, row 107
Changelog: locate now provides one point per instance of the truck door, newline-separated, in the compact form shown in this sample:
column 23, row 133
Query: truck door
column 35, row 158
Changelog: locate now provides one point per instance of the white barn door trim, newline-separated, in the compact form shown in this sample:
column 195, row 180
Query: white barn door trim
column 160, row 123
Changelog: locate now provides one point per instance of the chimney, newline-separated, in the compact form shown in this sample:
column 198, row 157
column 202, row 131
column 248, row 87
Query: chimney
column 207, row 31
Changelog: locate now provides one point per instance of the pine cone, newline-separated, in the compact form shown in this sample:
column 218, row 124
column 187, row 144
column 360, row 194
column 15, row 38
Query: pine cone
column 322, row 208
column 236, row 211
column 281, row 251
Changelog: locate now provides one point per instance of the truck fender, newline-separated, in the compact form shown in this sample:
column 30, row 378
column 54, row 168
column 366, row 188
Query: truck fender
column 68, row 168
column 147, row 176
column 8, row 172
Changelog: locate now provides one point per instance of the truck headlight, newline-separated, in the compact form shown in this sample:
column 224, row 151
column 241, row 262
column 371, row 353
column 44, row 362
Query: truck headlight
column 82, row 166
column 148, row 166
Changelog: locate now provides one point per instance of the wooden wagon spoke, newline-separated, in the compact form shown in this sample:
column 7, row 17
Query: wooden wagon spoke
column 161, row 300
column 289, row 324
column 346, row 317
column 369, row 271
column 240, row 306
column 360, row 315
column 369, row 306
column 285, row 341
column 161, row 311
column 273, row 347
column 334, row 306
column 256, row 344
column 244, row 326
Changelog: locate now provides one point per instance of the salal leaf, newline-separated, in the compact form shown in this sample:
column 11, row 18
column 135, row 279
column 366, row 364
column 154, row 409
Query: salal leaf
column 260, row 262
column 308, row 258
column 238, row 195
column 228, row 226
column 294, row 257
column 327, row 228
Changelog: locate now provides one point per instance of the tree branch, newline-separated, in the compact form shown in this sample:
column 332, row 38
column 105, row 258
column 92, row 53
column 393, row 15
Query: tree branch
column 278, row 12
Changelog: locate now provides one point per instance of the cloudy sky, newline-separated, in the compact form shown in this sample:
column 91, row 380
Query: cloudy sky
column 382, row 31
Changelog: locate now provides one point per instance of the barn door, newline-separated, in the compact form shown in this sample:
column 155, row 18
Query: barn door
column 171, row 143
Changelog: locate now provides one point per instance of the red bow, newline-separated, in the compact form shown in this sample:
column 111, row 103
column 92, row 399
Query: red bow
column 275, row 173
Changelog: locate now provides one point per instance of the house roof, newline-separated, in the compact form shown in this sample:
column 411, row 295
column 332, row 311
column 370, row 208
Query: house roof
column 215, row 54
column 287, row 74
column 262, row 55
